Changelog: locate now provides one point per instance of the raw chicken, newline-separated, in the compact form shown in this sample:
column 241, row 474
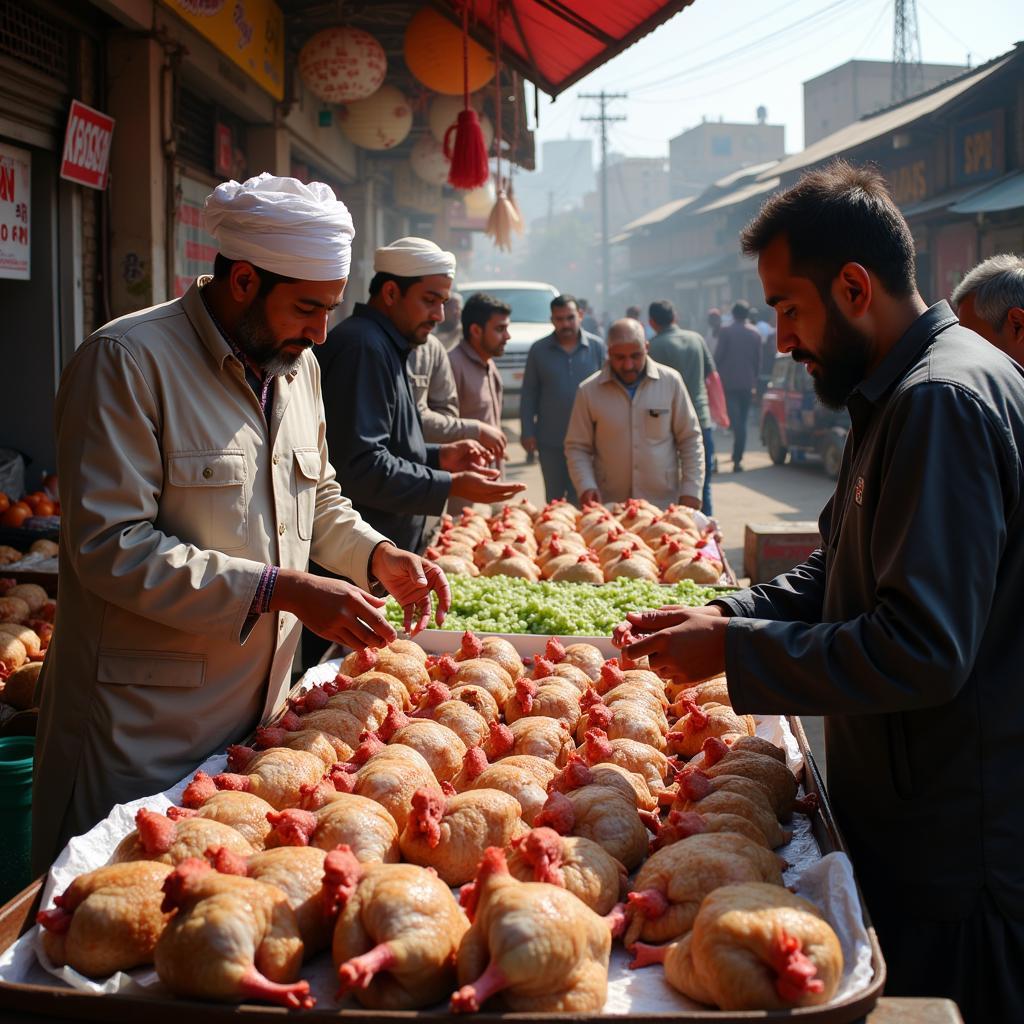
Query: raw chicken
column 492, row 648
column 327, row 747
column 409, row 647
column 582, row 570
column 575, row 863
column 753, row 947
column 712, row 691
column 437, row 705
column 549, row 698
column 697, row 724
column 479, row 699
column 585, row 657
column 624, row 720
column 157, row 838
column 629, row 754
column 512, row 563
column 544, row 669
column 668, row 889
column 776, row 778
column 441, row 748
column 451, row 834
column 277, row 775
column 482, row 672
column 682, row 824
column 407, row 667
column 298, row 871
column 231, row 939
column 578, row 773
column 397, row 934
column 604, row 815
column 346, row 818
column 612, row 675
column 524, row 777
column 244, row 812
column 537, row 945
column 542, row 737
column 347, row 728
column 634, row 694
column 387, row 687
column 107, row 920
column 751, row 805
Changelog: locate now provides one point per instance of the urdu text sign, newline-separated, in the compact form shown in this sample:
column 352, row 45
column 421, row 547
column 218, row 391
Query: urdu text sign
column 15, row 207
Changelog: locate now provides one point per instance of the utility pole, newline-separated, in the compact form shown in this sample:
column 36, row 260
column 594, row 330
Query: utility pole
column 907, row 76
column 604, row 118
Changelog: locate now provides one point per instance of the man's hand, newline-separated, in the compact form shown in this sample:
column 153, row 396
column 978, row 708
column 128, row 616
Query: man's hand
column 529, row 444
column 410, row 579
column 459, row 456
column 643, row 623
column 493, row 440
column 689, row 502
column 483, row 486
column 689, row 651
column 333, row 609
column 591, row 494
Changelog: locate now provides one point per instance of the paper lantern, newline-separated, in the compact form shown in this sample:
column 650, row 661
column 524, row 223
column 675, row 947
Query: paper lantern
column 480, row 201
column 380, row 122
column 428, row 161
column 340, row 65
column 444, row 111
column 433, row 52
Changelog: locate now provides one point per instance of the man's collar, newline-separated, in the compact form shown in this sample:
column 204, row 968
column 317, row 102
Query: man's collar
column 607, row 374
column 471, row 352
column 200, row 318
column 582, row 338
column 367, row 311
column 899, row 358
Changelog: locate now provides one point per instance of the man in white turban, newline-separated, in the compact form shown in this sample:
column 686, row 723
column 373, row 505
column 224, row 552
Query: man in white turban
column 395, row 479
column 196, row 484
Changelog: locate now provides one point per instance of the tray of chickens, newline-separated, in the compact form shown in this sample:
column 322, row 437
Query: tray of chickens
column 594, row 544
column 524, row 827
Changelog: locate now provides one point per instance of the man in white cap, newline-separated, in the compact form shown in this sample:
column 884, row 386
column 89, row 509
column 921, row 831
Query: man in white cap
column 195, row 485
column 394, row 478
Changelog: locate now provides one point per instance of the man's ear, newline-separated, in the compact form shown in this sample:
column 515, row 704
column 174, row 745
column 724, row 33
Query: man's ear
column 853, row 290
column 1015, row 319
column 390, row 292
column 244, row 282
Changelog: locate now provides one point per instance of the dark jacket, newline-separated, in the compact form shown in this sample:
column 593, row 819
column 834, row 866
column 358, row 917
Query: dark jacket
column 373, row 430
column 738, row 356
column 906, row 627
column 687, row 354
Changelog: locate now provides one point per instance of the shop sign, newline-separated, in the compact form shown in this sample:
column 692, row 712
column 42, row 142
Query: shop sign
column 194, row 249
column 909, row 182
column 15, row 207
column 87, row 146
column 223, row 150
column 250, row 33
column 978, row 150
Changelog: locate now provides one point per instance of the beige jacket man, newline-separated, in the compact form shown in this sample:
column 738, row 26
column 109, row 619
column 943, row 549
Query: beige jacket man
column 176, row 498
column 648, row 447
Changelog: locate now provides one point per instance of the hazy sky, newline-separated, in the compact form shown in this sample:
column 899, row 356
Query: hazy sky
column 727, row 57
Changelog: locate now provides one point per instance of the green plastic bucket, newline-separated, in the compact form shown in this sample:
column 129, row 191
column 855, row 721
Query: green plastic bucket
column 15, row 813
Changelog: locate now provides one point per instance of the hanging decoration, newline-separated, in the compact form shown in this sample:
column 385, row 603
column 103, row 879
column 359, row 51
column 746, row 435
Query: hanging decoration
column 340, row 65
column 503, row 218
column 463, row 141
column 444, row 112
column 428, row 161
column 479, row 201
column 435, row 52
column 380, row 122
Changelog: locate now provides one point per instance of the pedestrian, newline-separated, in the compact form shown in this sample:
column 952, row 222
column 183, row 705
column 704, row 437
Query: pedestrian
column 588, row 319
column 633, row 431
column 714, row 320
column 990, row 301
column 555, row 367
column 195, row 483
column 634, row 313
column 687, row 354
column 394, row 478
column 485, row 333
column 904, row 626
column 738, row 357
column 449, row 330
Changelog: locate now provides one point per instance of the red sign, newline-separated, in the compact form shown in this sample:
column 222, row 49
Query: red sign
column 223, row 150
column 87, row 146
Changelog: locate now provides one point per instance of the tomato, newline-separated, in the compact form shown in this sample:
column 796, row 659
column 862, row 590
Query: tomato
column 45, row 508
column 16, row 514
column 33, row 499
column 5, row 502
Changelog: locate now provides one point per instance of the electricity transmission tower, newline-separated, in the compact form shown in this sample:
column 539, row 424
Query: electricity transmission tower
column 907, row 78
column 604, row 119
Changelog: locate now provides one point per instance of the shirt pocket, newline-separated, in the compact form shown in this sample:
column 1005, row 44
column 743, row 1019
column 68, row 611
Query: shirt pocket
column 420, row 383
column 150, row 668
column 212, row 493
column 657, row 424
column 307, row 476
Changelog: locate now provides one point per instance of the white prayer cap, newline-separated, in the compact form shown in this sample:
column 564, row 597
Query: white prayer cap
column 281, row 225
column 413, row 257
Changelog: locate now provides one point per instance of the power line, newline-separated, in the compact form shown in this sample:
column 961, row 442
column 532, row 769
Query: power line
column 907, row 76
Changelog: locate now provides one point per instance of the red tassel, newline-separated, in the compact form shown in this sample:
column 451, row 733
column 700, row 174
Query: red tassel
column 469, row 168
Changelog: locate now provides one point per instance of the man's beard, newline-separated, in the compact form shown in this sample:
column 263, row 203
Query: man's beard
column 843, row 360
column 256, row 340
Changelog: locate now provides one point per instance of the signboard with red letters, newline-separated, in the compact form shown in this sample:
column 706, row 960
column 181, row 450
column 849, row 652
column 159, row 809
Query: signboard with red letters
column 87, row 146
column 15, row 204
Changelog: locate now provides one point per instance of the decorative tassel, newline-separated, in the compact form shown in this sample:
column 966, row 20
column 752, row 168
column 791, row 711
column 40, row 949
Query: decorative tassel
column 518, row 223
column 467, row 153
column 503, row 220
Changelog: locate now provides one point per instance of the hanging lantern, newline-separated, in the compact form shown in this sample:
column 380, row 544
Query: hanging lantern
column 479, row 201
column 428, row 161
column 444, row 112
column 433, row 52
column 380, row 122
column 340, row 65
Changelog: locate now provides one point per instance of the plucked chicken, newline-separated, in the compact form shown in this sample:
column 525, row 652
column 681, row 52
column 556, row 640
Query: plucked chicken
column 437, row 705
column 601, row 814
column 544, row 668
column 479, row 699
column 625, row 720
column 681, row 825
column 776, row 778
column 277, row 775
column 542, row 737
column 404, row 664
column 441, row 748
column 577, row 773
column 523, row 777
column 362, row 824
column 482, row 672
column 549, row 698
column 244, row 812
column 712, row 691
column 492, row 648
column 636, row 757
column 696, row 724
column 327, row 747
column 159, row 838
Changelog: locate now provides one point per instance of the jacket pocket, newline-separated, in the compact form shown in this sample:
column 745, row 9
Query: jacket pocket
column 657, row 424
column 149, row 668
column 307, row 476
column 899, row 757
column 213, row 487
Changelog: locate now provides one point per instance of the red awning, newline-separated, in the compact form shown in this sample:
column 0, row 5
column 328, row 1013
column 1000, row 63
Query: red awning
column 555, row 43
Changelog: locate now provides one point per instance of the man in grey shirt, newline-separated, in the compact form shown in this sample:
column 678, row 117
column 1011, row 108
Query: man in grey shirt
column 555, row 368
column 687, row 354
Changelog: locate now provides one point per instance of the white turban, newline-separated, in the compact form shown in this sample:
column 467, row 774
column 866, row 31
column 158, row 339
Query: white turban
column 413, row 257
column 281, row 225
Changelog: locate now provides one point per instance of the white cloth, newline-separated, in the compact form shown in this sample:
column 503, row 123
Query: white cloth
column 282, row 225
column 413, row 257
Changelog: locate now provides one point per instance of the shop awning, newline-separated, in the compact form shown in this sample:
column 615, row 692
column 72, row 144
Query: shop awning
column 658, row 214
column 555, row 43
column 741, row 195
column 1005, row 194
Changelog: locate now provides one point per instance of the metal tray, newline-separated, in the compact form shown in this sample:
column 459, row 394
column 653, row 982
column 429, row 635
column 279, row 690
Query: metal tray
column 56, row 1001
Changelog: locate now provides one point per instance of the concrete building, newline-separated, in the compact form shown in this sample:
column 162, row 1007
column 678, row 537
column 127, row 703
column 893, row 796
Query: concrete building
column 636, row 184
column 858, row 88
column 704, row 154
column 565, row 176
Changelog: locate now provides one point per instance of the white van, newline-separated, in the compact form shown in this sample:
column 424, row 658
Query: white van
column 530, row 321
